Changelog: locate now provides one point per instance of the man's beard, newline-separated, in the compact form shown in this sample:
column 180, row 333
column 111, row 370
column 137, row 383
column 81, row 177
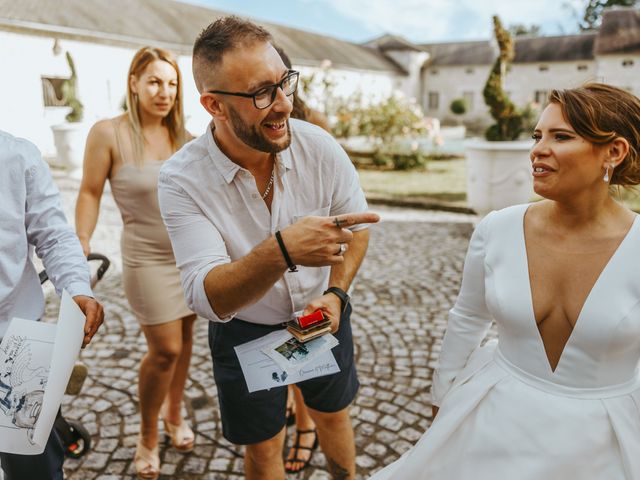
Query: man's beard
column 254, row 138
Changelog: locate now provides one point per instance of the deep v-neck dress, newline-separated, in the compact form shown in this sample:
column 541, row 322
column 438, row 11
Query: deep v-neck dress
column 504, row 414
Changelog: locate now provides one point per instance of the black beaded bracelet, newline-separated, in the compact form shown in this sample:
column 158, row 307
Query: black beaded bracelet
column 285, row 253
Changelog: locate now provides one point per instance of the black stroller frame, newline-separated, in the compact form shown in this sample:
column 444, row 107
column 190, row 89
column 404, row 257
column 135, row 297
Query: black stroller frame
column 76, row 439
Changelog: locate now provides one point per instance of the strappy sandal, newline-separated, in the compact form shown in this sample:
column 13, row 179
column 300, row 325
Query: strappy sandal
column 146, row 462
column 296, row 448
column 181, row 436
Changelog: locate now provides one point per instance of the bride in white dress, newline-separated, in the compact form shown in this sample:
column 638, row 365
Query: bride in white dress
column 557, row 397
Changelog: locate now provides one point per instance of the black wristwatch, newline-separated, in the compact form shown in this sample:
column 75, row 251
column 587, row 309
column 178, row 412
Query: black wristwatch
column 341, row 294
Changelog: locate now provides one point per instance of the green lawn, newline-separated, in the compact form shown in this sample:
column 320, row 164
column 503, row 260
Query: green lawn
column 631, row 198
column 442, row 181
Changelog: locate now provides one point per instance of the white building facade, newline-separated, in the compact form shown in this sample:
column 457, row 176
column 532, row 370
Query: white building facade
column 541, row 64
column 33, row 44
column 102, row 75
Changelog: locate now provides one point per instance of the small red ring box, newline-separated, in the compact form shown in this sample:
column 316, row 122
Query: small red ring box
column 311, row 319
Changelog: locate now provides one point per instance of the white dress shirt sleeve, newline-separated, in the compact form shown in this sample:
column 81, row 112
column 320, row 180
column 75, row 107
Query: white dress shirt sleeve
column 348, row 196
column 55, row 242
column 197, row 245
column 469, row 319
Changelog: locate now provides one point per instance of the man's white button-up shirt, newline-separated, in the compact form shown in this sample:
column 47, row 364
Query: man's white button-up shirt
column 31, row 216
column 214, row 214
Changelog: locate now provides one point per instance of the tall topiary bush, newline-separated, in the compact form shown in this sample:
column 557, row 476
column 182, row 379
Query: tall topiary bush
column 509, row 121
column 69, row 90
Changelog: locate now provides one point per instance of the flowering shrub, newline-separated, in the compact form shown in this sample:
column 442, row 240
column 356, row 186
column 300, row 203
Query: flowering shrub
column 391, row 125
column 384, row 122
column 400, row 158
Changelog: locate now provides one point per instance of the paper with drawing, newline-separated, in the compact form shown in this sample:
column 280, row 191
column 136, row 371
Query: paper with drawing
column 36, row 360
column 262, row 373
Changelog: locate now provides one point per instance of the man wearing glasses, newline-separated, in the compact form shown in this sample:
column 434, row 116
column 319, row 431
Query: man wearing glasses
column 266, row 217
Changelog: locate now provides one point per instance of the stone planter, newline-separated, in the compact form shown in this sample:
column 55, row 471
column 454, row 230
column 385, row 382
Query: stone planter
column 69, row 139
column 498, row 174
column 457, row 132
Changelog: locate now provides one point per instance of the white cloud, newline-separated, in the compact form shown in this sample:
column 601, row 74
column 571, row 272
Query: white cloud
column 434, row 20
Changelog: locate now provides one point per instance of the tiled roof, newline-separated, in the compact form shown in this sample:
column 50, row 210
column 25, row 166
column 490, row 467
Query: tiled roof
column 565, row 48
column 527, row 49
column 460, row 53
column 619, row 32
column 171, row 24
column 175, row 25
column 393, row 42
column 306, row 47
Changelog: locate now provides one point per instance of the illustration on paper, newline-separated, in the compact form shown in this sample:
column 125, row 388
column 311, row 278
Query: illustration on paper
column 22, row 383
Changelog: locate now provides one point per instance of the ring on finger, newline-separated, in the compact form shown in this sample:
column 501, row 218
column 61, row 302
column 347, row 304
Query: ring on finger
column 342, row 249
column 338, row 222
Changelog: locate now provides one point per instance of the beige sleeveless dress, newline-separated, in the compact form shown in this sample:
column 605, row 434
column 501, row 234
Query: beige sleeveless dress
column 150, row 277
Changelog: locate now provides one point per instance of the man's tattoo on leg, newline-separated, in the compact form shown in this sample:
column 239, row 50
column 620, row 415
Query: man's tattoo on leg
column 337, row 471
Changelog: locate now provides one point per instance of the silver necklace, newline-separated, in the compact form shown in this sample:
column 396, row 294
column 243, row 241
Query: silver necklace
column 273, row 171
column 270, row 184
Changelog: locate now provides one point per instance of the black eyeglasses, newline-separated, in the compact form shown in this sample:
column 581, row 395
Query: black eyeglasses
column 265, row 96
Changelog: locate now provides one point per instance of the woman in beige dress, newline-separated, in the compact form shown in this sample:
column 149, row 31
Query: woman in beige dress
column 128, row 150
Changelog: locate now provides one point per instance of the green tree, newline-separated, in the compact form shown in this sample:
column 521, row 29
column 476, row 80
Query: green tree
column 593, row 11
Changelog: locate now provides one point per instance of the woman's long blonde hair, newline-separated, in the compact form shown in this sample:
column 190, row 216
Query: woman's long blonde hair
column 174, row 120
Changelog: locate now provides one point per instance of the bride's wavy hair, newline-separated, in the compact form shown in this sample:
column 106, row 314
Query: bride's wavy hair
column 600, row 113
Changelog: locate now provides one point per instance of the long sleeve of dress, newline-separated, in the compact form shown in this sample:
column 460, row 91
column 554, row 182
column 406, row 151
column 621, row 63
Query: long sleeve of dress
column 469, row 319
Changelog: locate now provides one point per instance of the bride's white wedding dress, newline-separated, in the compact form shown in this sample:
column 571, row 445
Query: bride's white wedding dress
column 505, row 414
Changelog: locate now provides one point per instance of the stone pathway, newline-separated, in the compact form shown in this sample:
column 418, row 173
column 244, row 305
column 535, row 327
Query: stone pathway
column 401, row 296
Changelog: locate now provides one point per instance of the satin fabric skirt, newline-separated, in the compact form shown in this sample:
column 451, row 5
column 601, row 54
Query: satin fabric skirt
column 498, row 422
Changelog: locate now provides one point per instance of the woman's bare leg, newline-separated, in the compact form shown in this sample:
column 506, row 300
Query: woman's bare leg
column 157, row 368
column 175, row 394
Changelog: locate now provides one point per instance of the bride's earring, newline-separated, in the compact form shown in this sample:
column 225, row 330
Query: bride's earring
column 605, row 179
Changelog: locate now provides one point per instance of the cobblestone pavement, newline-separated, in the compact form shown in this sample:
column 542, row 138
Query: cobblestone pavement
column 403, row 291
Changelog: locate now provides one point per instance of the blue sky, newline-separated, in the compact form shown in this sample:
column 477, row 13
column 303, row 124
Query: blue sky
column 417, row 20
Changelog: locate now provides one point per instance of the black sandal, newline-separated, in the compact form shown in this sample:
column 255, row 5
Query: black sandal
column 297, row 447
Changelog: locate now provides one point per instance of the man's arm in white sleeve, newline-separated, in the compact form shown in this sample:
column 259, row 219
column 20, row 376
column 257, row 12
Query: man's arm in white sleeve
column 55, row 241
